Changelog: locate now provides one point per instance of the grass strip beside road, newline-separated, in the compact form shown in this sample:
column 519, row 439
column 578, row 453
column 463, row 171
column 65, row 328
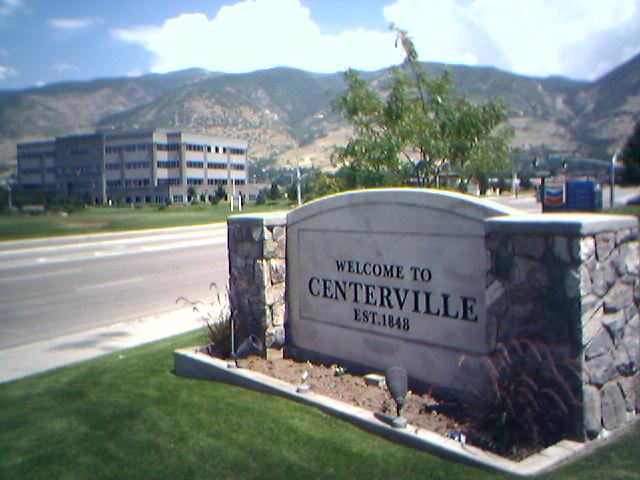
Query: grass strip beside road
column 108, row 219
column 127, row 415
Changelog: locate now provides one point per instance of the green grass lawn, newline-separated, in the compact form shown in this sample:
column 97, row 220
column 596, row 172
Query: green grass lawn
column 108, row 219
column 127, row 415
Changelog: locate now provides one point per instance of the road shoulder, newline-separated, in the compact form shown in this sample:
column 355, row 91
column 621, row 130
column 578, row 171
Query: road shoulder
column 29, row 359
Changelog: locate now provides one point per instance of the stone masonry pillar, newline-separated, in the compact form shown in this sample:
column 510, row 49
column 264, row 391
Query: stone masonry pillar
column 573, row 281
column 256, row 245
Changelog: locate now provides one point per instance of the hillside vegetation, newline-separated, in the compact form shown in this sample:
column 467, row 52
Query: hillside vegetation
column 286, row 114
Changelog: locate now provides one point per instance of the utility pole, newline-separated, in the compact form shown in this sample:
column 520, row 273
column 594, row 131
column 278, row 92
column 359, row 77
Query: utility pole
column 612, row 179
column 298, row 188
column 229, row 180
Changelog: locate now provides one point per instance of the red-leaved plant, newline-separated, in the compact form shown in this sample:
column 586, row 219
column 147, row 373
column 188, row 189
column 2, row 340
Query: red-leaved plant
column 531, row 399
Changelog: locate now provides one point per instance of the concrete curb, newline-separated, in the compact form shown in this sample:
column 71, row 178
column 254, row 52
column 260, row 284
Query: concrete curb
column 189, row 363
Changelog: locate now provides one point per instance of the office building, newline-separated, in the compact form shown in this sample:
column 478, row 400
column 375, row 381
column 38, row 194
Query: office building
column 136, row 166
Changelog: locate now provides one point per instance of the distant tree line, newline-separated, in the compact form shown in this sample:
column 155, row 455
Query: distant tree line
column 631, row 157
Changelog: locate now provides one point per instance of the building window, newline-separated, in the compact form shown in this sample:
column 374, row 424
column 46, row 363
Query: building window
column 137, row 165
column 223, row 166
column 140, row 147
column 178, row 199
column 31, row 171
column 196, row 148
column 114, row 183
column 168, row 181
column 234, row 150
column 113, row 166
column 35, row 155
column 195, row 181
column 192, row 164
column 216, row 181
column 168, row 164
column 167, row 147
column 136, row 182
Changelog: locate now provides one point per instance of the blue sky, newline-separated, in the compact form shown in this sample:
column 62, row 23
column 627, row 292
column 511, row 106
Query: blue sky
column 46, row 41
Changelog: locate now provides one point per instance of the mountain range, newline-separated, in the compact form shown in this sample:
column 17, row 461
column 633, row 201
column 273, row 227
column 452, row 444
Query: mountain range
column 287, row 117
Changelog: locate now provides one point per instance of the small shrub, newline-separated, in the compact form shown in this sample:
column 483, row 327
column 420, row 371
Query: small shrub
column 274, row 192
column 218, row 338
column 216, row 327
column 221, row 193
column 531, row 402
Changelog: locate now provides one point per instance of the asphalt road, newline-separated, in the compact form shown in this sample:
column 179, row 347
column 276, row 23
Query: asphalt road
column 50, row 288
column 55, row 287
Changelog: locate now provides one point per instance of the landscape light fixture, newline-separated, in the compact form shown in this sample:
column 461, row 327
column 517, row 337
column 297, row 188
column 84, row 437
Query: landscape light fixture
column 397, row 383
column 251, row 346
column 304, row 386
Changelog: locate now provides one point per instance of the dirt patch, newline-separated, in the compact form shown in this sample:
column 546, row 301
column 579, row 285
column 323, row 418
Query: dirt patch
column 352, row 389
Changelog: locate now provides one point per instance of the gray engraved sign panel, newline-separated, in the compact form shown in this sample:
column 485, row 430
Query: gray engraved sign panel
column 390, row 276
column 405, row 286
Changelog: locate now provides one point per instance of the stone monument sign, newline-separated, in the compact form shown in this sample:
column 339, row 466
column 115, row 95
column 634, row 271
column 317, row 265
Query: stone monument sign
column 424, row 279
column 390, row 277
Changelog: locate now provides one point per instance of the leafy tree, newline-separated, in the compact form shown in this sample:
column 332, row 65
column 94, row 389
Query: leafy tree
column 419, row 129
column 39, row 197
column 631, row 157
column 20, row 196
column 193, row 194
column 4, row 199
column 221, row 193
column 261, row 197
column 274, row 191
column 315, row 184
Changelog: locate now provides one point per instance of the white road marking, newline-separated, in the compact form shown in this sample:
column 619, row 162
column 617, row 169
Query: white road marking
column 40, row 275
column 106, row 254
column 110, row 284
column 214, row 232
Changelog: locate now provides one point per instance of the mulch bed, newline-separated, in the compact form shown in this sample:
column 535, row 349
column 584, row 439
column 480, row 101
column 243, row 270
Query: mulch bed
column 352, row 389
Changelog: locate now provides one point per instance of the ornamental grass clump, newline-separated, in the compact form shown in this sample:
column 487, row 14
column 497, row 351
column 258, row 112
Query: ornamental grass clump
column 531, row 401
column 216, row 326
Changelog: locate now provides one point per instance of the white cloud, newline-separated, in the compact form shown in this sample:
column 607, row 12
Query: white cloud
column 65, row 67
column 73, row 24
column 6, row 72
column 575, row 38
column 7, row 7
column 257, row 34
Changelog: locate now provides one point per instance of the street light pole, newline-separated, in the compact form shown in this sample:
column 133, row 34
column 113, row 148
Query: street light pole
column 612, row 179
column 298, row 189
